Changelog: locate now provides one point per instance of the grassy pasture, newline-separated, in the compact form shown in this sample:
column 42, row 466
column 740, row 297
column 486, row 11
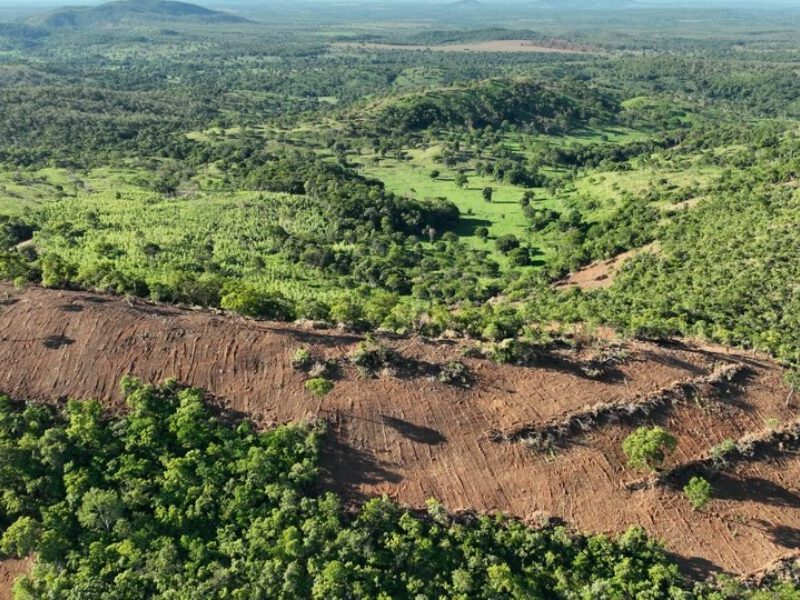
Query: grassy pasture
column 502, row 216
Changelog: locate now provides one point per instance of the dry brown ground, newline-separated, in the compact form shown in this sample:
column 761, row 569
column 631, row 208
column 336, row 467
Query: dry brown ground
column 488, row 46
column 416, row 438
column 600, row 274
column 10, row 569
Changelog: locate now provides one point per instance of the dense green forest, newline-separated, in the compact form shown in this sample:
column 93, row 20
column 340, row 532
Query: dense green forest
column 167, row 501
column 315, row 165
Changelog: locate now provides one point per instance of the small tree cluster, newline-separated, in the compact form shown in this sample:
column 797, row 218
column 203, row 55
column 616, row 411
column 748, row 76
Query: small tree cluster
column 648, row 447
column 698, row 492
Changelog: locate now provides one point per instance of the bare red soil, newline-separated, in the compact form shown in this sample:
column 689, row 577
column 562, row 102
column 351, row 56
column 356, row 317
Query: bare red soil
column 601, row 274
column 10, row 569
column 545, row 47
column 414, row 438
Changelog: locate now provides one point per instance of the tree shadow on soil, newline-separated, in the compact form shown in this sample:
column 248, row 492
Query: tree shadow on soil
column 788, row 537
column 71, row 308
column 416, row 433
column 56, row 342
column 404, row 367
column 311, row 337
column 345, row 469
column 753, row 489
column 669, row 360
column 695, row 568
column 682, row 345
column 609, row 373
column 466, row 226
column 733, row 392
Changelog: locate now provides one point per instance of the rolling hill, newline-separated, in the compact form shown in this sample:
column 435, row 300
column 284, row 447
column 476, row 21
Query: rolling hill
column 493, row 101
column 132, row 12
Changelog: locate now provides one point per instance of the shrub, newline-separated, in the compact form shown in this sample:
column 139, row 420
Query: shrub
column 14, row 266
column 349, row 312
column 648, row 447
column 250, row 302
column 698, row 492
column 593, row 370
column 513, row 351
column 475, row 351
column 370, row 356
column 520, row 257
column 454, row 373
column 721, row 451
column 57, row 272
column 507, row 243
column 314, row 310
column 319, row 386
column 329, row 369
column 302, row 359
column 494, row 331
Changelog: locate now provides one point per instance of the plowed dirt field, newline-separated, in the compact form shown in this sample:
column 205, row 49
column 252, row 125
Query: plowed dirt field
column 412, row 437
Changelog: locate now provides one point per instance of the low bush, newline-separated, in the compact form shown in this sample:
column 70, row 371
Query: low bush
column 319, row 386
column 513, row 351
column 302, row 359
column 370, row 356
column 698, row 492
column 454, row 373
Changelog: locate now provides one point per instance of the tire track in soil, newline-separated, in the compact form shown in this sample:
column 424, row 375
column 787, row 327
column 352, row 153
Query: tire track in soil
column 437, row 444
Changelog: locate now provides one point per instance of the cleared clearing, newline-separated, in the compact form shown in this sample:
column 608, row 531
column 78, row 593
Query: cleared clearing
column 487, row 46
column 414, row 438
column 10, row 570
column 600, row 274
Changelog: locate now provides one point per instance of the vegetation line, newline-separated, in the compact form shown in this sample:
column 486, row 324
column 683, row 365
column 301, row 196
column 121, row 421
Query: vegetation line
column 579, row 421
column 750, row 447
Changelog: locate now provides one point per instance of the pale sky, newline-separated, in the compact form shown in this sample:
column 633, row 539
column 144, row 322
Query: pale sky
column 32, row 5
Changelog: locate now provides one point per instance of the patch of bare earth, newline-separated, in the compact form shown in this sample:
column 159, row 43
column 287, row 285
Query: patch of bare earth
column 10, row 570
column 556, row 47
column 600, row 274
column 414, row 438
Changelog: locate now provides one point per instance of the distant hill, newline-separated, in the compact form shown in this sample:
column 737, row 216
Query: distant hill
column 132, row 12
column 493, row 102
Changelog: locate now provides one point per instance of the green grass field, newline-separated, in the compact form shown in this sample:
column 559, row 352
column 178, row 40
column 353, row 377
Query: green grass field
column 502, row 216
column 596, row 193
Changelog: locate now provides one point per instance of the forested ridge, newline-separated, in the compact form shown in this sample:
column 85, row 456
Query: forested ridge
column 496, row 102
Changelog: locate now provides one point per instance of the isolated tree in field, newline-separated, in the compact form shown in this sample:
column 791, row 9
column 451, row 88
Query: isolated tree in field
column 435, row 174
column 507, row 243
column 482, row 232
column 461, row 179
column 527, row 196
column 648, row 447
column 698, row 492
column 487, row 194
